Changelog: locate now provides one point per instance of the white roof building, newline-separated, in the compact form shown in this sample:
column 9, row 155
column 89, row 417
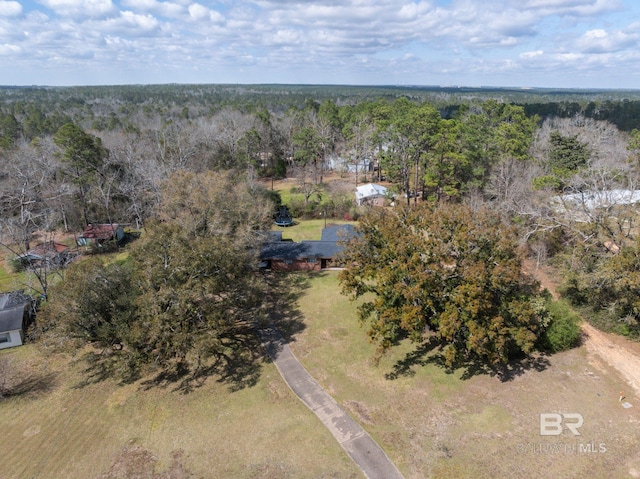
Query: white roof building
column 369, row 193
column 581, row 205
column 602, row 199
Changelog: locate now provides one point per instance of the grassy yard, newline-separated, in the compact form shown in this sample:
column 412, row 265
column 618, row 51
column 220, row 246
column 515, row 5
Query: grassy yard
column 307, row 229
column 53, row 426
column 10, row 281
column 434, row 424
column 431, row 423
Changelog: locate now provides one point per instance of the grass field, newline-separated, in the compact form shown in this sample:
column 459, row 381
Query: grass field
column 10, row 281
column 307, row 230
column 431, row 423
column 434, row 424
column 53, row 427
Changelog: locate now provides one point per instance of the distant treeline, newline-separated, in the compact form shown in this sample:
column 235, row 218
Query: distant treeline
column 625, row 114
column 107, row 107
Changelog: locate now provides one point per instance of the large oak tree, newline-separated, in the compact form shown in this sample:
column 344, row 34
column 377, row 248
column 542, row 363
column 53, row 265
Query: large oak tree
column 188, row 297
column 447, row 271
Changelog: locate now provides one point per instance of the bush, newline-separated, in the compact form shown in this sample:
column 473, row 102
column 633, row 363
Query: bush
column 18, row 264
column 574, row 291
column 563, row 330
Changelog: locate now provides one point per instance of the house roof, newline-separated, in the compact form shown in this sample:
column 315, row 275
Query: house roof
column 370, row 190
column 285, row 250
column 12, row 310
column 338, row 233
column 327, row 248
column 48, row 248
column 600, row 199
column 100, row 231
column 275, row 235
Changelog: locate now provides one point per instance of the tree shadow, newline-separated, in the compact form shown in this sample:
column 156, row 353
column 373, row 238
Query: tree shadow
column 431, row 352
column 237, row 364
column 517, row 367
column 100, row 366
column 32, row 386
column 283, row 319
column 506, row 372
column 420, row 356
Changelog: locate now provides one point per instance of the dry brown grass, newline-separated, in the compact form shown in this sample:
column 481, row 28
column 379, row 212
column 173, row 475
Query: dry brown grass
column 431, row 423
column 52, row 427
column 434, row 424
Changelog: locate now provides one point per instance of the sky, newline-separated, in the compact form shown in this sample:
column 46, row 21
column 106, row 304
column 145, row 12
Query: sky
column 501, row 43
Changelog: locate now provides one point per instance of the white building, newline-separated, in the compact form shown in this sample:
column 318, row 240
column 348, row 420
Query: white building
column 581, row 206
column 371, row 193
column 15, row 310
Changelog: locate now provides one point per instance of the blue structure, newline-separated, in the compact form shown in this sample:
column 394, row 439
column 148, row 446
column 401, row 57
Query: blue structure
column 284, row 218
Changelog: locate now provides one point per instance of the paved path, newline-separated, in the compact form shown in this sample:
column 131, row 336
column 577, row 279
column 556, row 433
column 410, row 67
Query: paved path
column 364, row 451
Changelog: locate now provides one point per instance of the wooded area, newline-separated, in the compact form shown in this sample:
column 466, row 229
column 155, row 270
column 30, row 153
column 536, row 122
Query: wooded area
column 182, row 162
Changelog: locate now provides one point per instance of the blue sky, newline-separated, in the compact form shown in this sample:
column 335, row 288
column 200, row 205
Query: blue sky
column 524, row 43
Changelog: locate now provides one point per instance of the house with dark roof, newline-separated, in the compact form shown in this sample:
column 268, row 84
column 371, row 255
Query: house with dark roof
column 308, row 255
column 338, row 233
column 16, row 311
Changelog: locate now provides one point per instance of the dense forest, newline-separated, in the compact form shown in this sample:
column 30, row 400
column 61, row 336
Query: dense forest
column 537, row 159
column 145, row 132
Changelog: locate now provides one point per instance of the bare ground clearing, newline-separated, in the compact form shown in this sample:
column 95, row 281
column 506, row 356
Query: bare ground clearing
column 618, row 352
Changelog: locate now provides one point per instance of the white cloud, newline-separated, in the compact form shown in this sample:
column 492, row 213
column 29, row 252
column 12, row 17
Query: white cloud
column 531, row 55
column 380, row 41
column 570, row 57
column 199, row 12
column 165, row 9
column 568, row 7
column 9, row 49
column 80, row 8
column 129, row 23
column 10, row 9
column 601, row 41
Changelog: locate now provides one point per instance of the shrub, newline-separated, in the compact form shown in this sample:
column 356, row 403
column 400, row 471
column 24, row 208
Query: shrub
column 18, row 264
column 563, row 330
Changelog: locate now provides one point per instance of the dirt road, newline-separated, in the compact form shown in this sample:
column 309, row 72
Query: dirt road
column 616, row 351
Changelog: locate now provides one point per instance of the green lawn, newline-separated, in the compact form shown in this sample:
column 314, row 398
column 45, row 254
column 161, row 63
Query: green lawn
column 10, row 281
column 307, row 229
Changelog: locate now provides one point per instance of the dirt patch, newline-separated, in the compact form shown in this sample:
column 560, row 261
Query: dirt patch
column 140, row 463
column 359, row 410
column 618, row 352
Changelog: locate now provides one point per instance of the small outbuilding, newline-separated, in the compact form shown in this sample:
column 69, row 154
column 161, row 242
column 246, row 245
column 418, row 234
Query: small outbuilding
column 16, row 312
column 371, row 194
column 49, row 254
column 97, row 234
